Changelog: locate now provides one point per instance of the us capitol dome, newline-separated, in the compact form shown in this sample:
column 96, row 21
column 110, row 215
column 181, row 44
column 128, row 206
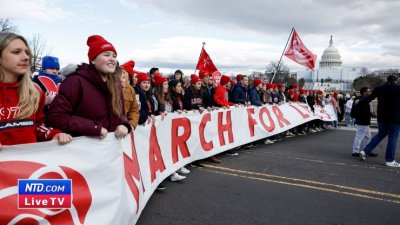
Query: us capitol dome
column 331, row 57
column 330, row 75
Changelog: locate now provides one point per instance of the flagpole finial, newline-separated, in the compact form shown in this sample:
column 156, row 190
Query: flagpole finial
column 204, row 43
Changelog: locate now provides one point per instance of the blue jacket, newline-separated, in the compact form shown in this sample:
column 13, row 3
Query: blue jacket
column 146, row 105
column 255, row 97
column 239, row 95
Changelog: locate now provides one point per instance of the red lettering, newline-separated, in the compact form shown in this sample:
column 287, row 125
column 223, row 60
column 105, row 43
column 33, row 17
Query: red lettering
column 271, row 122
column 132, row 170
column 225, row 128
column 180, row 140
column 306, row 107
column 155, row 158
column 252, row 121
column 279, row 115
column 305, row 116
column 207, row 146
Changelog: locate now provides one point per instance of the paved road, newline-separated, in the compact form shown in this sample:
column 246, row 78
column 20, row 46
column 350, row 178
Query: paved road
column 307, row 180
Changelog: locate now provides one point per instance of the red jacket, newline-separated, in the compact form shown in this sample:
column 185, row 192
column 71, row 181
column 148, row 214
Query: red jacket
column 20, row 131
column 83, row 105
column 221, row 97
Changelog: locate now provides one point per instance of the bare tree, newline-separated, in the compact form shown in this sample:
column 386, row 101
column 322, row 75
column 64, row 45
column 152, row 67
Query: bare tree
column 7, row 26
column 282, row 73
column 37, row 47
column 364, row 71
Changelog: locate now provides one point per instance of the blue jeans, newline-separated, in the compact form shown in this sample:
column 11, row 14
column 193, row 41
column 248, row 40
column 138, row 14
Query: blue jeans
column 349, row 120
column 392, row 131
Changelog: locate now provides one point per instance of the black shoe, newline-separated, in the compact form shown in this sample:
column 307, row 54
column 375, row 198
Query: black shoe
column 355, row 154
column 372, row 154
column 161, row 187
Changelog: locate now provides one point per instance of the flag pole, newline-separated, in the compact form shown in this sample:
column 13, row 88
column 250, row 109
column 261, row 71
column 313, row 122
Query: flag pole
column 202, row 47
column 279, row 63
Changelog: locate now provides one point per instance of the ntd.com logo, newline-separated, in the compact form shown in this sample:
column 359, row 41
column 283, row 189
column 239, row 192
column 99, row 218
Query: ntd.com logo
column 47, row 194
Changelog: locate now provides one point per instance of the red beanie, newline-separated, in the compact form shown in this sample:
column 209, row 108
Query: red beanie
column 194, row 79
column 302, row 91
column 142, row 77
column 97, row 45
column 128, row 67
column 203, row 74
column 281, row 86
column 295, row 85
column 270, row 85
column 158, row 79
column 225, row 79
column 239, row 77
column 257, row 82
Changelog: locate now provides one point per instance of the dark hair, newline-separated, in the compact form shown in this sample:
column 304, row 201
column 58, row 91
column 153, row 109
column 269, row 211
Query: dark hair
column 152, row 70
column 392, row 78
column 178, row 71
column 363, row 90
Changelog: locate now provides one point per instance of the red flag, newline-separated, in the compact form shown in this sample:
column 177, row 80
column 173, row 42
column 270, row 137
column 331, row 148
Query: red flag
column 205, row 63
column 299, row 53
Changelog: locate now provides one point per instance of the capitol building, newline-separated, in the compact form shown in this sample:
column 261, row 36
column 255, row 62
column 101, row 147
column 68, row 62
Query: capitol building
column 330, row 76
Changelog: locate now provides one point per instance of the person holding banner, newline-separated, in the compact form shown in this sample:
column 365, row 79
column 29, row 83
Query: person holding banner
column 147, row 107
column 194, row 95
column 176, row 93
column 131, row 105
column 90, row 101
column 208, row 99
column 221, row 93
column 21, row 103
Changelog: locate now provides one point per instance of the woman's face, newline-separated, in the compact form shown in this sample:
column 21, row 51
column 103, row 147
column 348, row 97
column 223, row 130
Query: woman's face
column 105, row 62
column 178, row 76
column 14, row 60
column 124, row 78
column 178, row 88
column 145, row 85
column 134, row 80
column 197, row 85
column 165, row 87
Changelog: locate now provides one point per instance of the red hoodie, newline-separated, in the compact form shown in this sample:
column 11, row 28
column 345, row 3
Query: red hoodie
column 221, row 96
column 20, row 131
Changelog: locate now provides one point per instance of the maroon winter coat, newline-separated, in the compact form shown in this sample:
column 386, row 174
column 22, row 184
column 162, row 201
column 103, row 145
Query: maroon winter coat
column 83, row 105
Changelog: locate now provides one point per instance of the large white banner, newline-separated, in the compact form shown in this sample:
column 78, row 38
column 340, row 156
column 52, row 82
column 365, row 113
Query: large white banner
column 112, row 179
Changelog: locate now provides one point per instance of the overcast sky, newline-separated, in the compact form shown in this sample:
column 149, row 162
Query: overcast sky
column 240, row 36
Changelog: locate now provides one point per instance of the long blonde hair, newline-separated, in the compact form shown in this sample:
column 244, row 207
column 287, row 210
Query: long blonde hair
column 28, row 94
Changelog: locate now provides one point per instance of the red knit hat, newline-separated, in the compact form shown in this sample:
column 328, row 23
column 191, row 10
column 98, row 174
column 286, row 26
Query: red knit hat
column 257, row 82
column 295, row 85
column 158, row 79
column 194, row 79
column 142, row 77
column 97, row 45
column 224, row 79
column 270, row 85
column 128, row 67
column 239, row 77
column 203, row 74
column 281, row 86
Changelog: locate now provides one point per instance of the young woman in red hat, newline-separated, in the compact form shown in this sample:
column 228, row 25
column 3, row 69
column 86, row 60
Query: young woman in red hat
column 90, row 101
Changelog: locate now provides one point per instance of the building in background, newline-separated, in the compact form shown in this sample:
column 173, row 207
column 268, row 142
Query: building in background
column 330, row 76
